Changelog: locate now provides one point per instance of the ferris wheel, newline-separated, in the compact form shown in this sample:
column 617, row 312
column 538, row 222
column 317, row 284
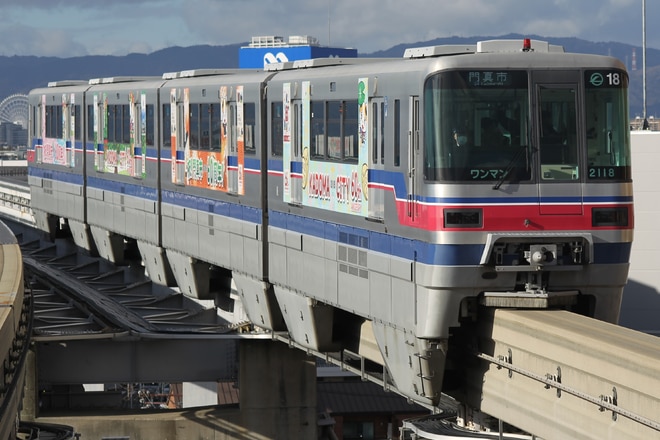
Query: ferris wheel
column 14, row 109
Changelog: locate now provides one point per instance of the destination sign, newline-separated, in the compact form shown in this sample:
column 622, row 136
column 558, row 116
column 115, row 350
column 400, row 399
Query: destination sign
column 484, row 79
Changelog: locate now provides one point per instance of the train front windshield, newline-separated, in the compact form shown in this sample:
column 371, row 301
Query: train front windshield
column 478, row 128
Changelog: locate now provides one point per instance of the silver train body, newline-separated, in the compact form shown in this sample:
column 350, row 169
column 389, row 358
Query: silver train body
column 367, row 205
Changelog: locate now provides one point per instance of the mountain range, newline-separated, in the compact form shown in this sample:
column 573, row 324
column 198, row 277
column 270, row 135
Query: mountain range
column 20, row 74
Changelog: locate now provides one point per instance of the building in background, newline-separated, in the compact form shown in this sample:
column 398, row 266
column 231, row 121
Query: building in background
column 272, row 49
column 12, row 135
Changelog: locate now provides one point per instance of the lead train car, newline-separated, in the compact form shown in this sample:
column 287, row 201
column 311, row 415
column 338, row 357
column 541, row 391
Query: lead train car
column 381, row 201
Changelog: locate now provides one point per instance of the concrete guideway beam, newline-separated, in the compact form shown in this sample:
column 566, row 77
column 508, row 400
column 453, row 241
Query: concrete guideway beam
column 560, row 375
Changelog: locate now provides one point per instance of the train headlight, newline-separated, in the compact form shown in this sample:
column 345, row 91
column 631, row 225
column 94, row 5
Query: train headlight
column 463, row 218
column 609, row 216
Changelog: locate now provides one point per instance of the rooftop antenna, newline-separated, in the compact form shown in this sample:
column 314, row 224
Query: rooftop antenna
column 645, row 125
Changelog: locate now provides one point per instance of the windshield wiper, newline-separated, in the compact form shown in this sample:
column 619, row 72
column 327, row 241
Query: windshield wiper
column 510, row 166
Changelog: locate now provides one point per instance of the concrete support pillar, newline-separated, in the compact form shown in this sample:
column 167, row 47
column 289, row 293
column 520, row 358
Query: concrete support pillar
column 277, row 390
column 29, row 410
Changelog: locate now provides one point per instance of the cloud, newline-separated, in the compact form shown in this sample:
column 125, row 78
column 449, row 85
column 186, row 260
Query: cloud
column 18, row 39
column 78, row 27
column 371, row 25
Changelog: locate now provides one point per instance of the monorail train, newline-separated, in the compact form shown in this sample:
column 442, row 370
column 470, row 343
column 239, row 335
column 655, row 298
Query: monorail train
column 351, row 200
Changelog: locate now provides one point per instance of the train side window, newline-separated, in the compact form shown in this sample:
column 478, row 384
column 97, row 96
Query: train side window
column 126, row 124
column 232, row 127
column 296, row 132
column 59, row 127
column 193, row 135
column 215, row 127
column 382, row 132
column 150, row 125
column 317, row 140
column 350, row 130
column 54, row 121
column 205, row 126
column 167, row 126
column 249, row 122
column 112, row 109
column 32, row 114
column 334, row 129
column 276, row 129
column 76, row 128
column 48, row 121
column 33, row 122
column 114, row 123
column 397, row 133
column 90, row 123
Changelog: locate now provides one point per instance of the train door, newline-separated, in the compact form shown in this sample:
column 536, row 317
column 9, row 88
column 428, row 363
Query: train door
column 296, row 149
column 413, row 150
column 138, row 133
column 235, row 139
column 179, row 117
column 292, row 139
column 100, row 108
column 557, row 127
column 232, row 175
column 68, row 128
column 377, row 155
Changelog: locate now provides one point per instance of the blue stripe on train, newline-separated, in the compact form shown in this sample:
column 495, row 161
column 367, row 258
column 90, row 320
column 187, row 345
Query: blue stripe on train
column 60, row 176
column 428, row 253
column 128, row 189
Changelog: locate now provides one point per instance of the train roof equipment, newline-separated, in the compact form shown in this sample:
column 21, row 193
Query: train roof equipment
column 195, row 73
column 67, row 82
column 488, row 46
column 120, row 79
column 321, row 62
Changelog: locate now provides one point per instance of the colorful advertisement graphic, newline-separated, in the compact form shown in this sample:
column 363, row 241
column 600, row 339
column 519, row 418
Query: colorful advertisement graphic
column 118, row 159
column 53, row 151
column 240, row 141
column 56, row 151
column 286, row 141
column 336, row 186
column 212, row 169
column 173, row 133
column 127, row 159
column 206, row 169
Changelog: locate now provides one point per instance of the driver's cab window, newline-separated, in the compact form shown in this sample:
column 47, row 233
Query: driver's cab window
column 558, row 134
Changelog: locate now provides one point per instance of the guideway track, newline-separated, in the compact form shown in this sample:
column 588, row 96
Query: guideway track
column 561, row 375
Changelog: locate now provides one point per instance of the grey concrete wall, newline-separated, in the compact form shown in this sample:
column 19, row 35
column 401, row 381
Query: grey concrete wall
column 640, row 309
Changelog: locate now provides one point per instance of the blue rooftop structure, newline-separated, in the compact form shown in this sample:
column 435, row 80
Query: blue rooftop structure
column 272, row 49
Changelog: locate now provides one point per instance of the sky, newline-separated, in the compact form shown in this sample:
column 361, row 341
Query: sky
column 71, row 28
